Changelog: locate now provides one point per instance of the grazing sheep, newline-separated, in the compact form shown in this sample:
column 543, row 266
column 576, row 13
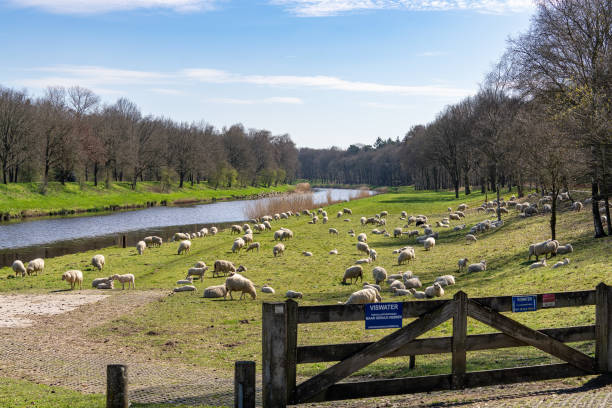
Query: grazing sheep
column 461, row 214
column 213, row 230
column 148, row 241
column 267, row 225
column 35, row 266
column 238, row 283
column 248, row 238
column 353, row 272
column 363, row 296
column 200, row 264
column 333, row 231
column 339, row 214
column 397, row 232
column 127, row 278
column 407, row 275
column 434, row 291
column 184, row 247
column 307, row 253
column 241, row 268
column 564, row 262
column 199, row 272
column 291, row 294
column 325, row 219
column 179, row 236
column 373, row 254
column 237, row 229
column 412, row 283
column 347, row 211
column 543, row 248
column 454, row 217
column 478, row 267
column 73, row 277
column 397, row 284
column 445, row 280
column 140, row 247
column 362, row 220
column 185, row 288
column 379, row 274
column 363, row 261
column 363, row 247
column 98, row 261
column 529, row 211
column 267, row 289
column 254, row 245
column 406, row 255
column 102, row 281
column 429, row 243
column 333, row 252
column 462, row 207
column 577, row 206
column 540, row 264
column 218, row 291
column 204, row 232
column 224, row 267
column 157, row 241
column 462, row 263
column 278, row 249
column 362, row 237
column 417, row 294
column 238, row 244
column 470, row 238
column 561, row 250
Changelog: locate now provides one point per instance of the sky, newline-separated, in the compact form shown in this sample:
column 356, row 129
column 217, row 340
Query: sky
column 326, row 72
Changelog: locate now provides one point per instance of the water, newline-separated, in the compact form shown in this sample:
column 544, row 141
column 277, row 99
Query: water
column 46, row 238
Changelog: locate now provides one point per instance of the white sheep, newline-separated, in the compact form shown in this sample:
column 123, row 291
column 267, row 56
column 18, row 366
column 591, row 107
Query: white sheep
column 237, row 229
column 199, row 272
column 339, row 214
column 362, row 237
column 238, row 283
column 373, row 254
column 267, row 289
column 379, row 274
column 325, row 219
column 539, row 264
column 412, row 283
column 224, row 267
column 333, row 252
column 462, row 263
column 445, row 280
column 185, row 288
column 73, row 277
column 218, row 291
column 98, row 261
column 470, row 238
column 254, row 245
column 307, row 253
column 35, row 266
column 248, row 238
column 478, row 267
column 372, row 285
column 564, row 262
column 434, row 291
column 561, row 250
column 397, row 284
column 333, row 231
column 278, row 249
column 397, row 232
column 200, row 264
column 429, row 243
column 462, row 207
column 406, row 255
column 126, row 278
column 363, row 261
column 543, row 248
column 238, row 244
column 291, row 294
column 362, row 220
column 417, row 294
column 577, row 206
column 157, row 241
column 214, row 230
column 401, row 292
column 186, row 281
column 140, row 247
column 363, row 296
column 184, row 247
column 353, row 272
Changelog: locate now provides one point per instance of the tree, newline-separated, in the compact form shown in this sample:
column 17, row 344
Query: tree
column 15, row 128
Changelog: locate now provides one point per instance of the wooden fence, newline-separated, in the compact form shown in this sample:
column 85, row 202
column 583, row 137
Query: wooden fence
column 281, row 354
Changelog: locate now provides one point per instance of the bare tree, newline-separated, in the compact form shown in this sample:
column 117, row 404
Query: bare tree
column 15, row 127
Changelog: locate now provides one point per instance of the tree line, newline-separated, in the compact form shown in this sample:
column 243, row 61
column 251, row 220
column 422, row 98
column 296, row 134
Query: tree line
column 541, row 118
column 69, row 135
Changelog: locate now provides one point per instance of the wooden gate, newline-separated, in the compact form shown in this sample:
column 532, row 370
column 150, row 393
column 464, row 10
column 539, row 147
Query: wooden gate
column 281, row 353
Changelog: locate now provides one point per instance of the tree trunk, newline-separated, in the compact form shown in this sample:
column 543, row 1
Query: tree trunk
column 553, row 214
column 181, row 178
column 599, row 232
column 608, row 221
column 466, row 182
column 483, row 188
column 95, row 171
column 456, row 182
column 498, row 204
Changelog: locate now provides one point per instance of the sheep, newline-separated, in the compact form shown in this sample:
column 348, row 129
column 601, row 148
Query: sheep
column 179, row 236
column 267, row 289
column 140, row 247
column 184, row 247
column 200, row 264
column 291, row 294
column 307, row 253
column 577, row 206
column 347, row 220
column 218, row 291
column 241, row 268
column 278, row 249
column 379, row 274
column 197, row 272
column 470, row 238
column 561, row 250
column 564, row 262
column 397, row 284
column 363, row 261
column 185, row 288
column 406, row 255
column 363, row 247
column 362, row 237
column 98, row 261
column 363, row 296
column 434, row 291
column 461, row 214
column 186, row 281
column 540, row 264
column 333, row 231
column 213, row 230
column 106, row 285
column 254, row 245
column 412, row 283
column 325, row 219
column 462, row 263
column 284, row 216
column 397, row 232
column 104, row 281
column 347, row 211
column 314, row 220
column 238, row 283
column 604, row 219
column 339, row 214
column 394, row 277
column 204, row 232
column 237, row 229
column 462, row 207
column 126, row 278
column 373, row 254
column 429, row 243
column 333, row 252
column 478, row 267
column 372, row 285
column 353, row 272
column 148, row 241
column 543, row 248
column 417, row 294
column 34, row 266
column 224, row 267
column 413, row 233
column 445, row 280
column 362, row 220
column 458, row 227
column 529, row 211
column 237, row 245
column 157, row 241
column 454, row 217
column 401, row 292
column 73, row 277
column 546, row 208
column 248, row 238
column 407, row 275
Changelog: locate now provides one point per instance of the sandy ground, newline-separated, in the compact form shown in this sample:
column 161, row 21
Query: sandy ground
column 16, row 310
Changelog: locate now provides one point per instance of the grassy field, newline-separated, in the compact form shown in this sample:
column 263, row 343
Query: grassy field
column 25, row 198
column 215, row 333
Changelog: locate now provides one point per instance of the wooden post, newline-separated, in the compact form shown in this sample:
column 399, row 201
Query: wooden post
column 117, row 386
column 274, row 354
column 412, row 362
column 292, row 333
column 123, row 241
column 458, row 341
column 244, row 384
column 603, row 328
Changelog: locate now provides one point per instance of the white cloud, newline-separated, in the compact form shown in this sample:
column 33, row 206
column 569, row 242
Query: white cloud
column 324, row 8
column 387, row 106
column 431, row 54
column 273, row 100
column 105, row 6
column 166, row 91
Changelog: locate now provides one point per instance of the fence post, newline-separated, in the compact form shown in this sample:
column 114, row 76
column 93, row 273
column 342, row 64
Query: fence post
column 117, row 386
column 603, row 328
column 292, row 333
column 458, row 341
column 274, row 354
column 123, row 241
column 244, row 384
column 412, row 362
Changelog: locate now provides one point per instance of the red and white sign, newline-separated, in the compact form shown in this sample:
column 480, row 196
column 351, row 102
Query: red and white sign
column 548, row 300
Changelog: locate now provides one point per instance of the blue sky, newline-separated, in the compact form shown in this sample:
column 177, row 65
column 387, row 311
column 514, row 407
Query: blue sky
column 328, row 72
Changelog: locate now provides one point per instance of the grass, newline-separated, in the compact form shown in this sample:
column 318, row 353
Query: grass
column 25, row 198
column 214, row 333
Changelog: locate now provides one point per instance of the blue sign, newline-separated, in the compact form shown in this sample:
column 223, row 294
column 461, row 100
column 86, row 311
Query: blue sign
column 528, row 303
column 383, row 315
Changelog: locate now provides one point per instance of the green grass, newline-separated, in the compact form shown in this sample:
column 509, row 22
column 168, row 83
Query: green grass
column 25, row 198
column 186, row 328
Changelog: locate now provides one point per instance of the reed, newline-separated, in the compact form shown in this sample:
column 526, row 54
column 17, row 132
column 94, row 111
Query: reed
column 295, row 202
